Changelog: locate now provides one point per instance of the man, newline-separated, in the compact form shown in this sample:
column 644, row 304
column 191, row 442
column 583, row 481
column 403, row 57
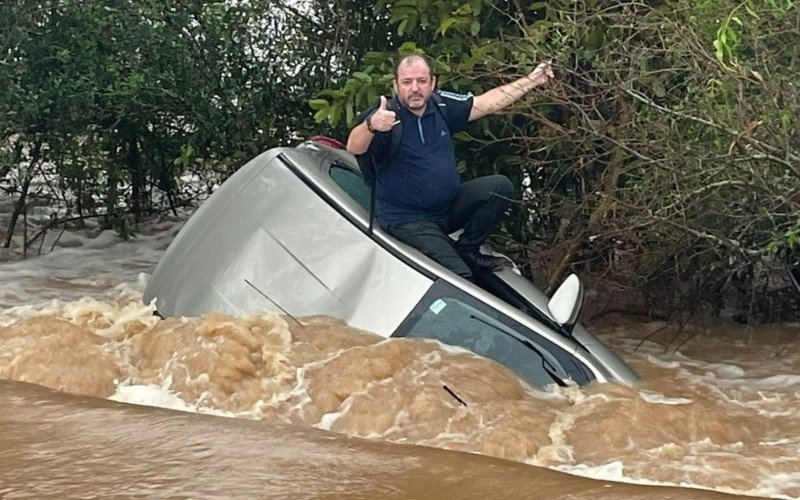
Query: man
column 420, row 199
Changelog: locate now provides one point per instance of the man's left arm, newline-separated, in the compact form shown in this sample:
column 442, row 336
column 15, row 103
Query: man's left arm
column 499, row 97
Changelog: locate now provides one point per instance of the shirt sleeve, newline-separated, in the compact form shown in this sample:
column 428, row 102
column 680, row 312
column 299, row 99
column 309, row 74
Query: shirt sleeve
column 459, row 107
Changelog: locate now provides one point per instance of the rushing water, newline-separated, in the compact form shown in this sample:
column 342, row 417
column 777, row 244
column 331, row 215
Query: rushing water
column 720, row 413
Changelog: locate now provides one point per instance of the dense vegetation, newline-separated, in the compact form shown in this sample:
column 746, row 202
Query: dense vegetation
column 112, row 103
column 663, row 159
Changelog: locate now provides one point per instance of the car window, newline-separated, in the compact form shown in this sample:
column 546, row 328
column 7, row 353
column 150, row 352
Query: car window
column 352, row 183
column 455, row 318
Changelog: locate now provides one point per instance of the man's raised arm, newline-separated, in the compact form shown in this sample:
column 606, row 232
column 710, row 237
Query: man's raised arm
column 499, row 97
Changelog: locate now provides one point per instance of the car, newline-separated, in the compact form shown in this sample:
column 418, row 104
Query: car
column 291, row 231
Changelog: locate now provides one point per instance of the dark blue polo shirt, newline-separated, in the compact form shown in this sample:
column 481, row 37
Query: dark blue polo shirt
column 420, row 181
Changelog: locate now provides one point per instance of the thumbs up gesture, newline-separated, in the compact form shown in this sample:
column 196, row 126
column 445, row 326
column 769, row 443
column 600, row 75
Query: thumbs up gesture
column 382, row 120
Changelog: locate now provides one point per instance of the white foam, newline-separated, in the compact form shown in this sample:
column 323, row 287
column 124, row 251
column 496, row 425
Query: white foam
column 451, row 349
column 655, row 398
column 150, row 395
column 611, row 471
column 723, row 370
column 776, row 483
column 328, row 419
column 779, row 442
column 663, row 363
column 161, row 397
column 615, row 471
column 774, row 382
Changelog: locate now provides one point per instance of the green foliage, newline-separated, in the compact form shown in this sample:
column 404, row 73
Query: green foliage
column 130, row 96
column 663, row 157
column 360, row 90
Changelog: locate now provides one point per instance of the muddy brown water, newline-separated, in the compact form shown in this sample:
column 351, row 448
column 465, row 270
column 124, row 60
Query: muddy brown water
column 99, row 398
column 56, row 445
column 718, row 414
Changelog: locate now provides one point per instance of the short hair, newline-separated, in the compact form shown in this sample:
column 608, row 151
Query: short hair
column 409, row 57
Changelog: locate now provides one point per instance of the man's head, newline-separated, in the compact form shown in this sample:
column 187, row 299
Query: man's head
column 414, row 82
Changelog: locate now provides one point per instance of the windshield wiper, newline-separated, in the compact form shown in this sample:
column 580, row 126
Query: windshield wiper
column 546, row 366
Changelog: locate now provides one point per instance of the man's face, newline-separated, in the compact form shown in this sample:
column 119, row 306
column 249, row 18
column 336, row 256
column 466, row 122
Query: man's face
column 414, row 85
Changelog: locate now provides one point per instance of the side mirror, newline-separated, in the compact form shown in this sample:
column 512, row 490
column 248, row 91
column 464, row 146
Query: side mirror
column 566, row 303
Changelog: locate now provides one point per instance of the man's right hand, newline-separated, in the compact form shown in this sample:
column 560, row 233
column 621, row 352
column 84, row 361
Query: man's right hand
column 382, row 119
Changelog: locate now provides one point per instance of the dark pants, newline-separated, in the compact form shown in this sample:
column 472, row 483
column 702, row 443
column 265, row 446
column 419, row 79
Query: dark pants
column 478, row 208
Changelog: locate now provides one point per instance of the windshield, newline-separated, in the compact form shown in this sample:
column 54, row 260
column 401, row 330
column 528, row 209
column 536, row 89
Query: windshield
column 453, row 317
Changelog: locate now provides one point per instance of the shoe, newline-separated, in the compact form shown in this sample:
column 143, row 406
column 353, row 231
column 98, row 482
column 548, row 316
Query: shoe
column 476, row 260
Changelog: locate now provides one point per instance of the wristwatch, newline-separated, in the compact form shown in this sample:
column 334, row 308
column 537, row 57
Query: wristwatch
column 369, row 124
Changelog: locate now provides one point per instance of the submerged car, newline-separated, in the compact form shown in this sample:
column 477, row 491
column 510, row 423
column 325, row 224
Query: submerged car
column 291, row 232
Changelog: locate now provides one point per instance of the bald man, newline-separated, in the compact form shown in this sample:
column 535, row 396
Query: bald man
column 420, row 199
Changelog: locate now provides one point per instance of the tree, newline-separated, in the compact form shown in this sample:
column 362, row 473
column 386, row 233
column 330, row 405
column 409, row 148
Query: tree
column 663, row 158
column 114, row 102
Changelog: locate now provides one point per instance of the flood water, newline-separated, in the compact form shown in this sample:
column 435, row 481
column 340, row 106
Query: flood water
column 222, row 406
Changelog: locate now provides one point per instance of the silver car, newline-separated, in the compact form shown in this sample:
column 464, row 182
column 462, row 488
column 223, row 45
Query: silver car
column 290, row 232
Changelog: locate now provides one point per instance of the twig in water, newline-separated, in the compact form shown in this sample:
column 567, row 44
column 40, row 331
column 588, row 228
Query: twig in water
column 449, row 391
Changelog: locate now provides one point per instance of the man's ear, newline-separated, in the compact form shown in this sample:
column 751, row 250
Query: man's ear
column 433, row 81
column 394, row 85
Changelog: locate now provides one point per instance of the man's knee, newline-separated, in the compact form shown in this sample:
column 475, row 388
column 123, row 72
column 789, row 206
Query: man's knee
column 502, row 186
column 494, row 185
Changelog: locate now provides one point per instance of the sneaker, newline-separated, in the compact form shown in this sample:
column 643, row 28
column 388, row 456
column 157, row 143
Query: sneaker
column 476, row 260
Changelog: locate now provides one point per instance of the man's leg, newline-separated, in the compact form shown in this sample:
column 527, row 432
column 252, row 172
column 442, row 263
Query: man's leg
column 430, row 238
column 479, row 207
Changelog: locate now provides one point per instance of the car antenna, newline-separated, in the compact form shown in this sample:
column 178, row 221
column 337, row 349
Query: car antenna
column 284, row 311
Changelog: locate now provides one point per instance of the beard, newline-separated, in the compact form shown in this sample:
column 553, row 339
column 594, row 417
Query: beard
column 415, row 102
